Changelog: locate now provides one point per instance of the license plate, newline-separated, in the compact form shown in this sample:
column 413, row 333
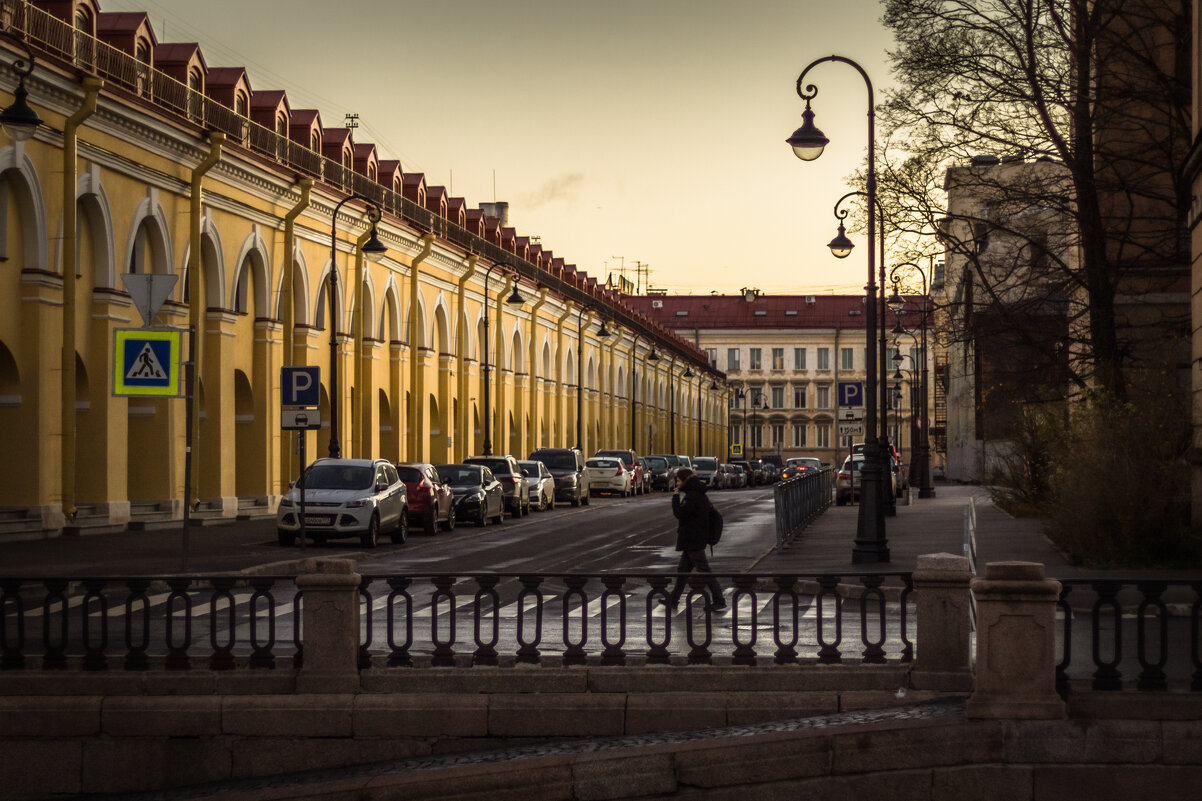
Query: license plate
column 319, row 520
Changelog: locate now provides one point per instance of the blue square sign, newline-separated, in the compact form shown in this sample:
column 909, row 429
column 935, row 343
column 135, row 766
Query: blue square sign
column 300, row 386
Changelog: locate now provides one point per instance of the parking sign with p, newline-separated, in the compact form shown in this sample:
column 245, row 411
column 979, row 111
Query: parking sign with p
column 300, row 386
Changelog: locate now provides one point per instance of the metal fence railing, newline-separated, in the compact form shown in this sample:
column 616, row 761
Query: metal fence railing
column 1147, row 630
column 801, row 499
column 235, row 622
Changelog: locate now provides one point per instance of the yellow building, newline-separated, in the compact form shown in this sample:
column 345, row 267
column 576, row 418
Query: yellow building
column 182, row 169
column 786, row 356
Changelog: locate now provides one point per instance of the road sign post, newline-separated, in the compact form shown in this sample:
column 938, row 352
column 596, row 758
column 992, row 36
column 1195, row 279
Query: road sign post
column 300, row 386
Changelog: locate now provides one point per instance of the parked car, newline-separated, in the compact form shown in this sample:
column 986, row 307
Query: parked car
column 631, row 460
column 706, row 468
column 647, row 474
column 609, row 474
column 728, row 475
column 800, row 465
column 660, row 471
column 740, row 479
column 674, row 464
column 542, row 483
column 513, row 481
column 847, row 480
column 749, row 473
column 571, row 474
column 431, row 503
column 346, row 498
column 478, row 495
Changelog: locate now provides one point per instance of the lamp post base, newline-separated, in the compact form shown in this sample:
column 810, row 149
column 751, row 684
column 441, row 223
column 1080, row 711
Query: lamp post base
column 926, row 492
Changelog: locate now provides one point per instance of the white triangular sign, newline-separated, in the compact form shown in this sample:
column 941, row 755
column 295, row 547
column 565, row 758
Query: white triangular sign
column 146, row 365
column 148, row 291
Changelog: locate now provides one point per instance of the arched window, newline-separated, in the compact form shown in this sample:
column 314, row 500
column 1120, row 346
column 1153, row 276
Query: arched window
column 196, row 90
column 84, row 30
column 142, row 54
column 241, row 104
column 281, row 132
column 315, row 142
column 371, row 172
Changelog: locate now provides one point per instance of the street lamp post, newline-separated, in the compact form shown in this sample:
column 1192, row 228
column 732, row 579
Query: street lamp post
column 688, row 373
column 515, row 299
column 601, row 332
column 807, row 143
column 373, row 250
column 652, row 356
column 19, row 120
column 763, row 404
column 923, row 451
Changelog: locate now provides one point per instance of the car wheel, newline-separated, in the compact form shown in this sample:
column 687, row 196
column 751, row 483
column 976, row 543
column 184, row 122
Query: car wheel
column 449, row 525
column 370, row 537
column 286, row 537
column 586, row 496
column 481, row 516
column 500, row 518
column 551, row 503
column 401, row 532
column 430, row 524
column 575, row 500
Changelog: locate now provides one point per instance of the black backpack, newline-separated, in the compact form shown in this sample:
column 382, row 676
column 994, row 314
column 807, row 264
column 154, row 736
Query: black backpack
column 715, row 525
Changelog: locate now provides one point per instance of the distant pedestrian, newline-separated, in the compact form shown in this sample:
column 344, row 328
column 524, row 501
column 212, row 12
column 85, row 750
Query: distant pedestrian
column 692, row 509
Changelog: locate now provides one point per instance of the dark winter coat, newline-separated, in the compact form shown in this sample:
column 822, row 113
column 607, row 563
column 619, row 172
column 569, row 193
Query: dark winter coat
column 691, row 507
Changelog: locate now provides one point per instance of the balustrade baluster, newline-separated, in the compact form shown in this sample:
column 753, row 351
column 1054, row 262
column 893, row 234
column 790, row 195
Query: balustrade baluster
column 262, row 653
column 1195, row 640
column 444, row 650
column 365, row 622
column 528, row 652
column 574, row 653
column 874, row 650
column 177, row 651
column 613, row 653
column 222, row 657
column 828, row 652
column 1107, row 675
column 1152, row 677
column 744, row 653
column 93, row 610
column 136, row 657
column 1066, row 640
column 54, row 648
column 907, row 654
column 486, row 651
column 399, row 652
column 12, row 625
column 657, row 652
column 699, row 654
column 786, row 588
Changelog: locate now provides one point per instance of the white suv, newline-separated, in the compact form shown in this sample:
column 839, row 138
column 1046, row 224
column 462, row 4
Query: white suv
column 345, row 498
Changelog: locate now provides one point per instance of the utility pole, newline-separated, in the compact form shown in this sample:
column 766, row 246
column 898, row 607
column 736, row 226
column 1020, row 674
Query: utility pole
column 642, row 277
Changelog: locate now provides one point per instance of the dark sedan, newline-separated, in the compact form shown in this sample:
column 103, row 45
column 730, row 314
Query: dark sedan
column 478, row 495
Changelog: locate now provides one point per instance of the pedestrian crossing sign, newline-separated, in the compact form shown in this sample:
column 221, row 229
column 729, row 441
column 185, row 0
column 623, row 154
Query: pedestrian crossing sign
column 147, row 362
column 736, row 450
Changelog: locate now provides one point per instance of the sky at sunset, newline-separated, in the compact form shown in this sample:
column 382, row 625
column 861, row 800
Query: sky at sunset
column 619, row 131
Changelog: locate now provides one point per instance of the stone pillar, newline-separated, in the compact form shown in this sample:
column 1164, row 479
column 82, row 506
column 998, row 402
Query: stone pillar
column 941, row 584
column 330, row 615
column 1016, row 644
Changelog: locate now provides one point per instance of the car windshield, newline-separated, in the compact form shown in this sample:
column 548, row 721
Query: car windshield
column 495, row 465
column 338, row 477
column 603, row 462
column 460, row 475
column 656, row 464
column 623, row 455
column 672, row 461
column 409, row 475
column 558, row 460
column 705, row 463
column 529, row 469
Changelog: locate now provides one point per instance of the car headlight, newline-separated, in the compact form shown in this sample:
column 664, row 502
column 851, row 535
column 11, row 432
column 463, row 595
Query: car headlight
column 357, row 504
column 567, row 481
column 287, row 502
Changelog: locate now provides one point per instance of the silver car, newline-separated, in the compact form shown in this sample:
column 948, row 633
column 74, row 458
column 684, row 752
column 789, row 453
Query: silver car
column 345, row 498
column 608, row 474
column 542, row 484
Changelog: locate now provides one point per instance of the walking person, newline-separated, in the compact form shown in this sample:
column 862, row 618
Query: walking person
column 692, row 509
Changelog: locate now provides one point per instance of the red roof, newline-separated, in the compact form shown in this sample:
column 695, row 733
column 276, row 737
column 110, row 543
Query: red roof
column 767, row 311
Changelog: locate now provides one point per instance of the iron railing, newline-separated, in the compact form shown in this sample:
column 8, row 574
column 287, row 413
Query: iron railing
column 799, row 500
column 227, row 622
column 54, row 36
column 1131, row 627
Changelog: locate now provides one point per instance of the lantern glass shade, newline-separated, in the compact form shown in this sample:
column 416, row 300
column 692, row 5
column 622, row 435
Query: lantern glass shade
column 19, row 120
column 516, row 298
column 895, row 302
column 373, row 248
column 807, row 141
column 841, row 246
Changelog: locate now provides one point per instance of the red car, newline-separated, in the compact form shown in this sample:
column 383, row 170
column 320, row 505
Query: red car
column 431, row 503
